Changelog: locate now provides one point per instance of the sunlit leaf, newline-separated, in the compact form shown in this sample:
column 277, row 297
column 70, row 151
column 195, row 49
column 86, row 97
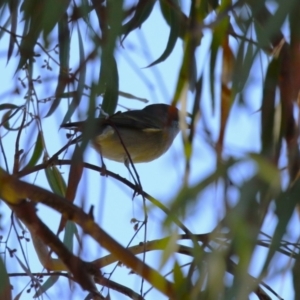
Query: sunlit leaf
column 56, row 181
column 180, row 281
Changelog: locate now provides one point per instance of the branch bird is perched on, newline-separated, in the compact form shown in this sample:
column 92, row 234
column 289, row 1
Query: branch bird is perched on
column 147, row 133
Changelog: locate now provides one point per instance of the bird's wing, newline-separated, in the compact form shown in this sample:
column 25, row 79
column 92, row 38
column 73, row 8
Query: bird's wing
column 137, row 119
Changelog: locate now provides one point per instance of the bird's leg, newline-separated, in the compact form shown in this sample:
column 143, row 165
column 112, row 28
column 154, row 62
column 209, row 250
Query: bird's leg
column 138, row 189
column 126, row 163
column 103, row 166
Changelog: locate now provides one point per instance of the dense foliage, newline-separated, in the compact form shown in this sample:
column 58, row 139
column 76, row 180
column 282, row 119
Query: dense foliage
column 43, row 39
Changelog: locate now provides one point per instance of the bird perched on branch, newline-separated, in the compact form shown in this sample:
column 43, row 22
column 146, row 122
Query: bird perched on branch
column 143, row 135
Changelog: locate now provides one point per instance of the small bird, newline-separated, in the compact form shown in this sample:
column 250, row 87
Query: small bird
column 146, row 134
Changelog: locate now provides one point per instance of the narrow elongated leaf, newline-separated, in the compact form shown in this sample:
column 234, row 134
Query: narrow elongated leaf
column 5, row 25
column 173, row 36
column 108, row 83
column 296, row 277
column 212, row 65
column 37, row 152
column 226, row 102
column 268, row 109
column 81, row 81
column 46, row 286
column 285, row 206
column 75, row 173
column 5, row 119
column 8, row 106
column 13, row 9
column 142, row 12
column 131, row 96
column 56, row 181
column 171, row 11
column 81, row 11
column 40, row 17
column 243, row 65
column 70, row 232
column 180, row 282
column 5, row 287
column 82, row 72
column 219, row 35
column 111, row 94
column 64, row 41
column 188, row 195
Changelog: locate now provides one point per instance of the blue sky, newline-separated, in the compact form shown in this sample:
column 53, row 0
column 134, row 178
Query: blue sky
column 162, row 178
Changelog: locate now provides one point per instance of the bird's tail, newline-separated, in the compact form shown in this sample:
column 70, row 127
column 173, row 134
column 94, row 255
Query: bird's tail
column 73, row 125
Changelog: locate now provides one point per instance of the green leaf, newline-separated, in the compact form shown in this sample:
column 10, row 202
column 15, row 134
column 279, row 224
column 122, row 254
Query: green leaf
column 219, row 36
column 142, row 12
column 81, row 11
column 285, row 207
column 13, row 10
column 180, row 282
column 8, row 115
column 70, row 232
column 5, row 120
column 267, row 171
column 40, row 17
column 64, row 41
column 213, row 58
column 46, row 286
column 296, row 277
column 131, row 96
column 178, row 275
column 243, row 65
column 5, row 287
column 81, row 81
column 188, row 195
column 111, row 94
column 108, row 83
column 2, row 31
column 173, row 36
column 268, row 140
column 37, row 152
column 171, row 11
column 56, row 181
column 8, row 106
